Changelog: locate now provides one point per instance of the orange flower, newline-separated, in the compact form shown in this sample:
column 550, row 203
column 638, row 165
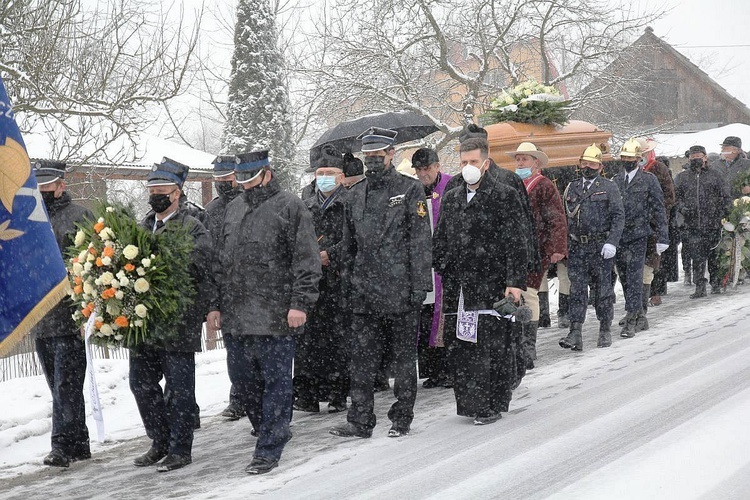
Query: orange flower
column 129, row 267
column 99, row 262
column 78, row 289
column 98, row 324
column 98, row 227
column 108, row 252
column 86, row 312
column 109, row 293
column 121, row 321
column 78, row 280
column 92, row 251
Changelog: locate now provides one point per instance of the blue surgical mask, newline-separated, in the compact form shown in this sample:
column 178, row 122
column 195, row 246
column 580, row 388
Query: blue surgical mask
column 523, row 173
column 326, row 183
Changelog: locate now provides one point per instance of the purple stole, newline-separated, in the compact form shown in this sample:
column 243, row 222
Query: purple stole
column 436, row 333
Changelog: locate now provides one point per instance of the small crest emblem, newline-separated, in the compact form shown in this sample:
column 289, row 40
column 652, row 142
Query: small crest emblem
column 421, row 209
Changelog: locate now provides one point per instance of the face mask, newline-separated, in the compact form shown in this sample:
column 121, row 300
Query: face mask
column 523, row 173
column 49, row 198
column 589, row 173
column 225, row 189
column 471, row 174
column 375, row 164
column 326, row 183
column 696, row 163
column 629, row 166
column 159, row 202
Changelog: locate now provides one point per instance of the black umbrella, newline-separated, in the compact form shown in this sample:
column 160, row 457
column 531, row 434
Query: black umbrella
column 409, row 125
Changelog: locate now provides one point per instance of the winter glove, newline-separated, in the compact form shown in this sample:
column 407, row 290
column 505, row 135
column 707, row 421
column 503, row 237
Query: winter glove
column 661, row 247
column 417, row 297
column 608, row 251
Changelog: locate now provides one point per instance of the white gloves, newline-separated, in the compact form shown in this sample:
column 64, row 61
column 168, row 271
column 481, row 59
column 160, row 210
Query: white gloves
column 608, row 251
column 661, row 247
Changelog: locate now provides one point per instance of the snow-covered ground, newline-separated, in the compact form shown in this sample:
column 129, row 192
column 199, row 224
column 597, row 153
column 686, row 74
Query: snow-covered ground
column 662, row 415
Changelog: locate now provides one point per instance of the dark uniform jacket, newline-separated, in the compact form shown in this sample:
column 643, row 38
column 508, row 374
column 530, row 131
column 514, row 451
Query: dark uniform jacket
column 387, row 244
column 270, row 262
column 526, row 219
column 703, row 198
column 731, row 171
column 479, row 245
column 63, row 215
column 643, row 202
column 204, row 281
column 329, row 233
column 596, row 215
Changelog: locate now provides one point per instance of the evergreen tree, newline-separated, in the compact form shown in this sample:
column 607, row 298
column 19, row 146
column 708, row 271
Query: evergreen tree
column 258, row 101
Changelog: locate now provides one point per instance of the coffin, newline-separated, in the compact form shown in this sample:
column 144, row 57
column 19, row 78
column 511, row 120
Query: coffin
column 563, row 144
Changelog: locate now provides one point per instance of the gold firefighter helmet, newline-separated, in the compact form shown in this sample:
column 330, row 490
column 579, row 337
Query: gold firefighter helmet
column 631, row 148
column 592, row 153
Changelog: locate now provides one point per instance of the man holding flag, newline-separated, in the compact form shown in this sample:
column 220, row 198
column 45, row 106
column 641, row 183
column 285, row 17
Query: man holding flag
column 33, row 278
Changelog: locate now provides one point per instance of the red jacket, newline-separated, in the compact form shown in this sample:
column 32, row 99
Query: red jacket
column 551, row 223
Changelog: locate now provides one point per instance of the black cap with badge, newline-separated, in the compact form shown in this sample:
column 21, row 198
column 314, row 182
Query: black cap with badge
column 48, row 171
column 168, row 172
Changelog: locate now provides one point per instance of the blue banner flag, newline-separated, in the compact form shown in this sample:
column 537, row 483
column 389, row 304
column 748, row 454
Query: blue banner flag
column 32, row 272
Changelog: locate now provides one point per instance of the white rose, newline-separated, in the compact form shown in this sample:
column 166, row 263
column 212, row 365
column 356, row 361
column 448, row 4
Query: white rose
column 746, row 199
column 77, row 269
column 120, row 274
column 100, row 219
column 138, row 322
column 124, row 281
column 130, row 252
column 106, row 234
column 119, row 295
column 87, row 266
column 115, row 284
column 110, row 209
column 82, row 256
column 141, row 311
column 106, row 278
column 729, row 226
column 106, row 261
column 80, row 238
column 141, row 285
column 90, row 258
column 118, row 336
column 106, row 330
column 140, row 271
column 146, row 262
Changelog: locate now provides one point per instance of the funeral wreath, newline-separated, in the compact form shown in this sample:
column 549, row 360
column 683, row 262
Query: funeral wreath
column 529, row 102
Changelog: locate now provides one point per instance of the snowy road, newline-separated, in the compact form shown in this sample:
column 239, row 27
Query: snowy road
column 662, row 415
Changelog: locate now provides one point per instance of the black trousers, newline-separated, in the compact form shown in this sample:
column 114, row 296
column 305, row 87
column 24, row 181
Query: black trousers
column 431, row 360
column 260, row 368
column 630, row 259
column 586, row 265
column 484, row 372
column 167, row 415
column 372, row 335
column 63, row 361
column 701, row 250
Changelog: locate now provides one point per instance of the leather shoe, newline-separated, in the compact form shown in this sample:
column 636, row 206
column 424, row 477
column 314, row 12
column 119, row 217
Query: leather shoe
column 233, row 412
column 173, row 462
column 57, row 458
column 350, row 430
column 152, row 456
column 336, row 406
column 306, row 406
column 261, row 465
column 430, row 383
column 397, row 431
column 487, row 419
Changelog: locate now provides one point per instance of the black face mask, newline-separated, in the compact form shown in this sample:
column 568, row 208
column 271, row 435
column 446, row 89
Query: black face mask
column 49, row 198
column 225, row 189
column 696, row 164
column 375, row 164
column 629, row 166
column 159, row 202
column 589, row 173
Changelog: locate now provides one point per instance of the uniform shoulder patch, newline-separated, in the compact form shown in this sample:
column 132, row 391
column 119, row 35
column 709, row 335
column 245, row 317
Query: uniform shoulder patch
column 421, row 208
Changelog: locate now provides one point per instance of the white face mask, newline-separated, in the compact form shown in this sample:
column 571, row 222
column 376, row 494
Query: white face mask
column 471, row 174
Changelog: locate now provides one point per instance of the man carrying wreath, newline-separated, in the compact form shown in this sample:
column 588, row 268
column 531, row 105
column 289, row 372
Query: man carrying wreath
column 168, row 415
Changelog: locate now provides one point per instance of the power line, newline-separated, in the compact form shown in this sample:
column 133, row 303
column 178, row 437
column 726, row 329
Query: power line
column 712, row 46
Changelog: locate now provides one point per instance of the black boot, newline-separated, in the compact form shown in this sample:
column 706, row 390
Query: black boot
column 605, row 335
column 562, row 311
column 641, row 322
column 574, row 340
column 529, row 341
column 700, row 289
column 544, row 320
column 57, row 458
column 628, row 331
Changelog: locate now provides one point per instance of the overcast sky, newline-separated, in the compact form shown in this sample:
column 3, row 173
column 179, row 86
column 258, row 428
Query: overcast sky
column 715, row 35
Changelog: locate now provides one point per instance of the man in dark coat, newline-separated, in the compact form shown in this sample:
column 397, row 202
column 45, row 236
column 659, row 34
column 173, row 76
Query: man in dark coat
column 321, row 368
column 703, row 200
column 388, row 253
column 481, row 253
column 58, row 340
column 643, row 203
column 431, row 353
column 270, row 271
column 551, row 232
column 226, row 190
column 732, row 164
column 169, row 415
column 595, row 220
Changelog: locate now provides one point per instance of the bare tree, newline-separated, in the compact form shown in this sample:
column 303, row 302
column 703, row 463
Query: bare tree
column 89, row 79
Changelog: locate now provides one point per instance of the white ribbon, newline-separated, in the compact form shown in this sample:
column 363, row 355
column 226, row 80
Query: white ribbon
column 96, row 407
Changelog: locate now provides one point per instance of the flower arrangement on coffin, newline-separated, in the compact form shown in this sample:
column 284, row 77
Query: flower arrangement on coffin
column 529, row 102
column 135, row 283
column 734, row 248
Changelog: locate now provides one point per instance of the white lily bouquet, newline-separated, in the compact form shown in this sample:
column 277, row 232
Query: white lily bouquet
column 135, row 283
column 529, row 102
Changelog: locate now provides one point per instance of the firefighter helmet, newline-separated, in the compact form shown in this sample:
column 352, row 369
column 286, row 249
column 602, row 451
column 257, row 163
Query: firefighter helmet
column 631, row 148
column 592, row 153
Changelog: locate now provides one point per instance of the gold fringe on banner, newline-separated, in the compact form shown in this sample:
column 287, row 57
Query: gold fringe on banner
column 40, row 310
